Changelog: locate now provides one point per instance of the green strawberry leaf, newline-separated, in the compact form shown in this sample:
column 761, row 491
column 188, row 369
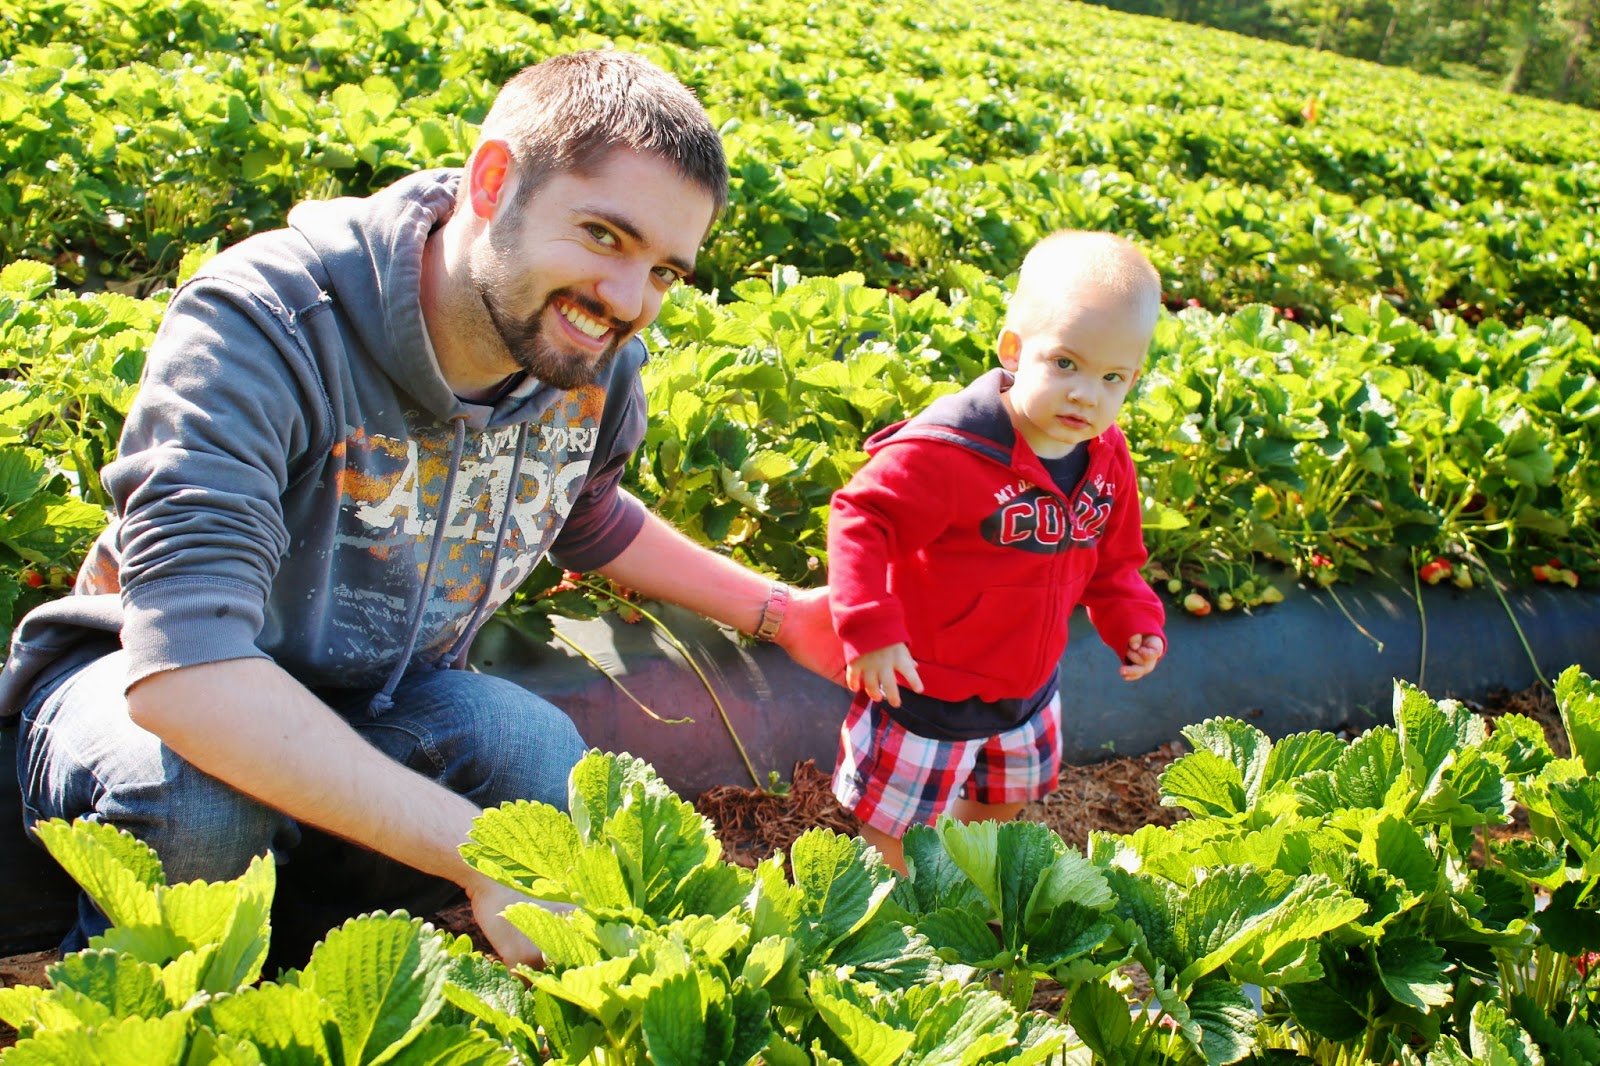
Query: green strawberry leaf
column 382, row 977
column 118, row 872
column 119, row 1042
column 1578, row 697
column 290, row 1025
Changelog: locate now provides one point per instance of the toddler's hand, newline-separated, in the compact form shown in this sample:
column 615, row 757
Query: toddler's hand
column 1144, row 651
column 877, row 673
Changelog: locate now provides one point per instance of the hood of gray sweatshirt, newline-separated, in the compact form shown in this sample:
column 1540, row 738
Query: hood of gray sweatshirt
column 296, row 479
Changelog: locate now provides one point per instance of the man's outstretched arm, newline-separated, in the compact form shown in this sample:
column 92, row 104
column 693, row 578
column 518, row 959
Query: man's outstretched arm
column 663, row 564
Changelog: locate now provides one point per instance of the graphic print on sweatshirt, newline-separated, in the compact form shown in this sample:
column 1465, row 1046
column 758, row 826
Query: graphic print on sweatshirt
column 390, row 496
column 1031, row 519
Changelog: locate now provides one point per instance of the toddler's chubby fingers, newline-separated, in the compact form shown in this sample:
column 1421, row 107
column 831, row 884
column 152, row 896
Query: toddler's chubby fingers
column 1144, row 651
column 880, row 685
column 906, row 668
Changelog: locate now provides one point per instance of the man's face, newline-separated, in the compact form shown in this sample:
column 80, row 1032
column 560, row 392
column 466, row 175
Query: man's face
column 586, row 262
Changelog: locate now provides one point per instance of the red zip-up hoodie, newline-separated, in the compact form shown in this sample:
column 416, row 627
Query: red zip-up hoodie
column 954, row 540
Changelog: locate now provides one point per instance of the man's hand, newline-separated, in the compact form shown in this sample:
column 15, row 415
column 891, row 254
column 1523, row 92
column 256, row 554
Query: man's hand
column 489, row 900
column 807, row 635
column 1144, row 651
column 878, row 674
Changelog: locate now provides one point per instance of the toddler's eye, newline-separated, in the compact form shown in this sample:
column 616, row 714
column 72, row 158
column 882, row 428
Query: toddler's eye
column 1114, row 377
column 1065, row 364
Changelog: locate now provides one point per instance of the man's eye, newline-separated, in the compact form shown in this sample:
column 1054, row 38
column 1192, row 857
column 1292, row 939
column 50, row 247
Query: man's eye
column 602, row 235
column 667, row 276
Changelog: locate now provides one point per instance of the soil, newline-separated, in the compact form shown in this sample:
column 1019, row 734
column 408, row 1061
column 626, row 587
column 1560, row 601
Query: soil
column 1118, row 795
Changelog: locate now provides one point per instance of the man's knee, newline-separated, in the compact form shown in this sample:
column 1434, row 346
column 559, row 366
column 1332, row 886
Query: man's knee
column 481, row 736
column 201, row 828
column 82, row 757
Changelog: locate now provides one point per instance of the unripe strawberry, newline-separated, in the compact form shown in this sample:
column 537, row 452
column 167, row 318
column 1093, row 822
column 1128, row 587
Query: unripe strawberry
column 1566, row 577
column 1174, row 586
column 1195, row 603
column 1463, row 578
column 1225, row 600
column 1272, row 594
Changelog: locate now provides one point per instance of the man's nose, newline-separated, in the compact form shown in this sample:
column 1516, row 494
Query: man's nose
column 623, row 289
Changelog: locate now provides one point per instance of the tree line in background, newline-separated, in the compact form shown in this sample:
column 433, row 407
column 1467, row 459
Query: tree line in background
column 1539, row 47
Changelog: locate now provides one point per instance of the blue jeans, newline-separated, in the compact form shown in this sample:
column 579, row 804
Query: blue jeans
column 79, row 756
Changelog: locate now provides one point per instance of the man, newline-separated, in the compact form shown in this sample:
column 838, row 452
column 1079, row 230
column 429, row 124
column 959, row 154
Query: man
column 355, row 437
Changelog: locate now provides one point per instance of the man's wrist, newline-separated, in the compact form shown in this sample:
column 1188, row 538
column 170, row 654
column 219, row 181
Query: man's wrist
column 772, row 612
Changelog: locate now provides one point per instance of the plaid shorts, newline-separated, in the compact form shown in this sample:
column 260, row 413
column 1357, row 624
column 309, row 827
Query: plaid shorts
column 893, row 779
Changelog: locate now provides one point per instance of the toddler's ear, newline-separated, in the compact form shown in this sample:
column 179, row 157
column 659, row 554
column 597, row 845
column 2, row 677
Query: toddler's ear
column 1010, row 347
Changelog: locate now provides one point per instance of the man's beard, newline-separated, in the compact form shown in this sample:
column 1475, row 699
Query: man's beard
column 525, row 340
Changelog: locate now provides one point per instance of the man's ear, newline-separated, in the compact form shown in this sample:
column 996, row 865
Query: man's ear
column 487, row 172
column 1010, row 348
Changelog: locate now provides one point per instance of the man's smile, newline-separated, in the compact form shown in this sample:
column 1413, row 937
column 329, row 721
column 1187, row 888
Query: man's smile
column 582, row 321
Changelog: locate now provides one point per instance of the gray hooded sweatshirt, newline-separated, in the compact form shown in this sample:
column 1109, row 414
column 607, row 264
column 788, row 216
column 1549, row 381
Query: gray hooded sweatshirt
column 297, row 481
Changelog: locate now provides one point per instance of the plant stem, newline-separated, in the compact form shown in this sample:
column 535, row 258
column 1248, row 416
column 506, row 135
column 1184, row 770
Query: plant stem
column 1422, row 622
column 1494, row 584
column 678, row 646
column 1351, row 619
column 592, row 661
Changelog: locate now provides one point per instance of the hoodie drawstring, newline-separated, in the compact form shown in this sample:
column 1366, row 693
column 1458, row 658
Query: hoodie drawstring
column 458, row 653
column 384, row 700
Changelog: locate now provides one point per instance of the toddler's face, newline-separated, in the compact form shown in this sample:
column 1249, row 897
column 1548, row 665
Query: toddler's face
column 1073, row 369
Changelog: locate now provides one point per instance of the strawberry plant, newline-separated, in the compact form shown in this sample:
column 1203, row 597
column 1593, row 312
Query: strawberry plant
column 1440, row 948
column 1323, row 903
column 175, row 979
column 672, row 956
column 857, row 143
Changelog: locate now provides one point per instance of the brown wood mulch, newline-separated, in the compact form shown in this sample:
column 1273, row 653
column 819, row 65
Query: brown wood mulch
column 752, row 824
column 22, row 970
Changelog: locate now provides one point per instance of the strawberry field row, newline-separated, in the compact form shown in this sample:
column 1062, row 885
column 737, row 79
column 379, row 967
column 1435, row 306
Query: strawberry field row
column 1340, row 881
column 886, row 140
column 1262, row 441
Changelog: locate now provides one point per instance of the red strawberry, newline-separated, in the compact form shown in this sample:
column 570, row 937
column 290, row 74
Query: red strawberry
column 1435, row 571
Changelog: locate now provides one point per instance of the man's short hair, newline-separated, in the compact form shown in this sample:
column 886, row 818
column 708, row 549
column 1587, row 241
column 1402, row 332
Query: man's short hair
column 567, row 113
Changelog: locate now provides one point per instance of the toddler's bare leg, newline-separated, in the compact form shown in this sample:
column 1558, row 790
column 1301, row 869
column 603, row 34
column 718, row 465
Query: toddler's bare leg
column 966, row 810
column 889, row 847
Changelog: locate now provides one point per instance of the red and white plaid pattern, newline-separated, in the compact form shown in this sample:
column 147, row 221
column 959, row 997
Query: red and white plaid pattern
column 893, row 779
